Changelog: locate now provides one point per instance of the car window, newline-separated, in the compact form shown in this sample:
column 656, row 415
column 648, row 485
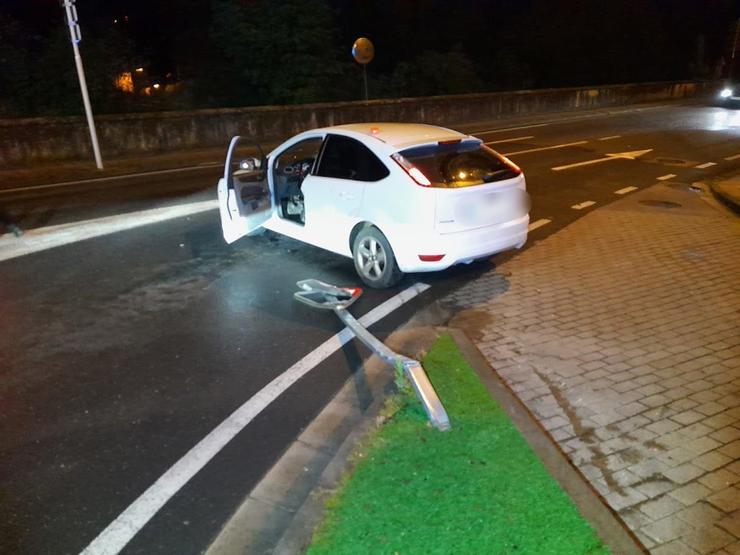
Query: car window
column 346, row 158
column 295, row 158
column 460, row 164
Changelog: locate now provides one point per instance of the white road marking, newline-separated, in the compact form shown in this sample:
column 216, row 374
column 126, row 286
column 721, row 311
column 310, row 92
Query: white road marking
column 509, row 140
column 109, row 178
column 733, row 157
column 564, row 145
column 503, row 129
column 599, row 114
column 583, row 205
column 667, row 176
column 633, row 155
column 610, row 137
column 625, row 190
column 40, row 239
column 706, row 165
column 115, row 537
column 538, row 223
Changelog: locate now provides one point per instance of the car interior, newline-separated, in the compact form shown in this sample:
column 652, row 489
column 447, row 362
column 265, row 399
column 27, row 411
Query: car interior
column 290, row 169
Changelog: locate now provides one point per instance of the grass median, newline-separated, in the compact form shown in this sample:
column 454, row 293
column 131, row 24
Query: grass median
column 478, row 488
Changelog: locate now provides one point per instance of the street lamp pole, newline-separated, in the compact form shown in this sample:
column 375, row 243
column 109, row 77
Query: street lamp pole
column 75, row 36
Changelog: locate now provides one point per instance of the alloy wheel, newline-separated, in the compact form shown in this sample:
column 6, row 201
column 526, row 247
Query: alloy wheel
column 371, row 258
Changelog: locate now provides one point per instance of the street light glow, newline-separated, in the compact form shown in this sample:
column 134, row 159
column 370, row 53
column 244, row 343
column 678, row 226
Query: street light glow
column 124, row 82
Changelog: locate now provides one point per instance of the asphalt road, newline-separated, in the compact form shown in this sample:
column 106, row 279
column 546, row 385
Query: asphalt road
column 120, row 353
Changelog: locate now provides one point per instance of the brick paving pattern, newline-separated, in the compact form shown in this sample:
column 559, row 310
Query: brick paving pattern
column 621, row 333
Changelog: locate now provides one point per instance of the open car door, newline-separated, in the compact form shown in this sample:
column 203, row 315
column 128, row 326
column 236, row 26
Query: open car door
column 244, row 198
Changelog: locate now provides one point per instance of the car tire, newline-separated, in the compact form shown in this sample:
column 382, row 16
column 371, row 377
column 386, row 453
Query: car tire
column 374, row 260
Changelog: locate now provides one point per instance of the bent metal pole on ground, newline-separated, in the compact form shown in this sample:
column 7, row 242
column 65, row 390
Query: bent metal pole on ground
column 322, row 295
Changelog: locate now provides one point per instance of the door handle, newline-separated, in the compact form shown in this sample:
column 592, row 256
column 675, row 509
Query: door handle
column 346, row 196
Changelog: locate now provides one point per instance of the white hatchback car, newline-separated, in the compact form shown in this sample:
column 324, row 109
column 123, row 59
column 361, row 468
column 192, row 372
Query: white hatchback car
column 394, row 197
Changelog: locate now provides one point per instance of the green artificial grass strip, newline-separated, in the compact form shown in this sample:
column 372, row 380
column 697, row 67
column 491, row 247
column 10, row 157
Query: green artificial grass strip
column 478, row 488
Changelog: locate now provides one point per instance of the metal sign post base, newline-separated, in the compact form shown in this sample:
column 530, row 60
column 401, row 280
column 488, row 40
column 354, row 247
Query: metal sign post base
column 329, row 297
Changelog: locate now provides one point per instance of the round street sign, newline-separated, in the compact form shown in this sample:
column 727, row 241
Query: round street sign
column 363, row 51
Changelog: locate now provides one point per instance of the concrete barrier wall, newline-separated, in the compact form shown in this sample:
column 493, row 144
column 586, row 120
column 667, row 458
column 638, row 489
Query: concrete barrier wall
column 24, row 141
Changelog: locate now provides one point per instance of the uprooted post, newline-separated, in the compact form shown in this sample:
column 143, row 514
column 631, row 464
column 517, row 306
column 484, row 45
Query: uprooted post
column 322, row 295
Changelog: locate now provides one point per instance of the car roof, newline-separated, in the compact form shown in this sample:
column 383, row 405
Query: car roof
column 399, row 135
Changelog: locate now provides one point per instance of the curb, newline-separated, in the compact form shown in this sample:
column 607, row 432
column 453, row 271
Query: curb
column 730, row 201
column 279, row 515
column 297, row 536
column 291, row 527
column 592, row 507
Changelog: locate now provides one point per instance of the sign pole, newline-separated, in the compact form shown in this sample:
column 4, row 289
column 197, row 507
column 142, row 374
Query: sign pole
column 322, row 295
column 363, row 51
column 75, row 36
column 364, row 75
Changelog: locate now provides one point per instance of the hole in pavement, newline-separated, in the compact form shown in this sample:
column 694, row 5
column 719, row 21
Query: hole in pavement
column 660, row 203
column 672, row 161
column 684, row 187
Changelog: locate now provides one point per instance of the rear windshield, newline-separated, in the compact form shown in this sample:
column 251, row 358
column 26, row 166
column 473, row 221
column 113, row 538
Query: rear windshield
column 460, row 164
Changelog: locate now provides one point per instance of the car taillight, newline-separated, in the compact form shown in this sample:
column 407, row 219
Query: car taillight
column 413, row 172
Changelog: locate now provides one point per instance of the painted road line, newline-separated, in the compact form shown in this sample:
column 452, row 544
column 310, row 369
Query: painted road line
column 733, row 157
column 564, row 145
column 598, row 114
column 538, row 223
column 609, row 138
column 632, row 155
column 706, row 165
column 123, row 529
column 667, row 176
column 509, row 140
column 583, row 205
column 110, row 178
column 625, row 190
column 503, row 129
column 39, row 239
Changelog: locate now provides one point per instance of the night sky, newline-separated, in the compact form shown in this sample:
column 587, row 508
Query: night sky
column 422, row 46
column 152, row 22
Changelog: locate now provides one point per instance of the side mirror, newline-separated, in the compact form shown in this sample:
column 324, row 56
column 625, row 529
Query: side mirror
column 250, row 164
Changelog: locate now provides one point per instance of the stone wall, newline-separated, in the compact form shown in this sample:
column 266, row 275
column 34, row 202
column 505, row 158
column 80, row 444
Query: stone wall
column 24, row 141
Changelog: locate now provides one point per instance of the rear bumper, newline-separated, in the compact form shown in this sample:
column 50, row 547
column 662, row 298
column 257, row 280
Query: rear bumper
column 463, row 246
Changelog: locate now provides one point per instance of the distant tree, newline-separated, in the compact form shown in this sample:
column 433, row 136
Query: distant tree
column 436, row 73
column 509, row 71
column 275, row 52
column 182, row 44
column 106, row 53
column 56, row 90
column 16, row 78
column 39, row 75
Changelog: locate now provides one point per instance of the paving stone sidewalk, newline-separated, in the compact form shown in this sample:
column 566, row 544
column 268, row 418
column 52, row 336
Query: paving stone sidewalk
column 621, row 333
